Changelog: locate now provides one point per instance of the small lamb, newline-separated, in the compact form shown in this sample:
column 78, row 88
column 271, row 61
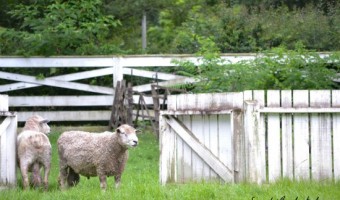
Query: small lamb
column 94, row 154
column 34, row 151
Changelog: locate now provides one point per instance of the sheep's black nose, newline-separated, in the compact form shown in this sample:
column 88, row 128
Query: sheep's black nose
column 135, row 143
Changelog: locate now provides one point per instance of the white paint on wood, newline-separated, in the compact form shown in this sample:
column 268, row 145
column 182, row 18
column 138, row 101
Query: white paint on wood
column 301, row 136
column 8, row 135
column 198, row 164
column 287, row 136
column 66, row 77
column 321, row 136
column 180, row 157
column 273, row 131
column 3, row 102
column 187, row 153
column 336, row 134
column 252, row 143
column 91, row 115
column 214, row 138
column 224, row 172
column 56, row 83
column 259, row 96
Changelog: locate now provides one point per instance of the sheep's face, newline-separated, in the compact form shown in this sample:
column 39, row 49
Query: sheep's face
column 44, row 127
column 127, row 135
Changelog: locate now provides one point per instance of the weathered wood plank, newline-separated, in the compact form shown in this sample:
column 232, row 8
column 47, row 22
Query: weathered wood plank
column 301, row 136
column 3, row 102
column 56, row 83
column 93, row 115
column 214, row 148
column 66, row 77
column 287, row 136
column 321, row 136
column 84, row 100
column 224, row 172
column 168, row 161
column 197, row 162
column 336, row 134
column 252, row 142
column 273, row 130
column 187, row 152
column 259, row 96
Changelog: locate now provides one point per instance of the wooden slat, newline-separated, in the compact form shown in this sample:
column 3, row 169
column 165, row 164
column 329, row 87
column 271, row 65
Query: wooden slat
column 150, row 74
column 57, row 83
column 214, row 148
column 180, row 156
column 301, row 136
column 253, row 164
column 168, row 161
column 287, row 136
column 321, row 136
column 197, row 163
column 273, row 131
column 259, row 96
column 299, row 110
column 3, row 102
column 336, row 134
column 66, row 77
column 224, row 172
column 93, row 115
column 187, row 152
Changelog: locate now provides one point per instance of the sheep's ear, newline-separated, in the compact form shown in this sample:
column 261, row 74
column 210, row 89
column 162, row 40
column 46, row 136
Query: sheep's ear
column 118, row 130
column 44, row 121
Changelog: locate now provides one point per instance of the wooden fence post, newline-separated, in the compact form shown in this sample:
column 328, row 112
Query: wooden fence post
column 253, row 153
column 8, row 136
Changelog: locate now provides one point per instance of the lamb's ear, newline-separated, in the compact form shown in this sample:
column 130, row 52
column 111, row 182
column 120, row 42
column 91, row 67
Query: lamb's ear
column 44, row 121
column 118, row 130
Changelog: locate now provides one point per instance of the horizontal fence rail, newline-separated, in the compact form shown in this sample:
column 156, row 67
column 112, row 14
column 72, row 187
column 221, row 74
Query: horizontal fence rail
column 98, row 66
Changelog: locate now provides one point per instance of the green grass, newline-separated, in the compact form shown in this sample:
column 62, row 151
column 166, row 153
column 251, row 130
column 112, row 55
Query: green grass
column 140, row 181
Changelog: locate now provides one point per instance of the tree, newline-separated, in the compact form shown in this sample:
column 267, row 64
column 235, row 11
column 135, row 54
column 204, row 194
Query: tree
column 59, row 28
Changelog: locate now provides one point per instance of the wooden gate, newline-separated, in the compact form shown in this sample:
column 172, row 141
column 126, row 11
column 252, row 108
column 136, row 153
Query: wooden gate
column 191, row 150
column 8, row 136
column 254, row 136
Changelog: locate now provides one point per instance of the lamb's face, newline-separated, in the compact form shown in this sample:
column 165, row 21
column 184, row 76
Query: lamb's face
column 127, row 135
column 44, row 127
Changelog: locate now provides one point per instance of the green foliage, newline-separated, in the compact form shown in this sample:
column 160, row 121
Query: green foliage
column 58, row 28
column 278, row 68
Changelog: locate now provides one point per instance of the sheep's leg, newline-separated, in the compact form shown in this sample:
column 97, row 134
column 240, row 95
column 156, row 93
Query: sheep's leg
column 117, row 181
column 24, row 174
column 36, row 178
column 47, row 167
column 102, row 179
column 62, row 174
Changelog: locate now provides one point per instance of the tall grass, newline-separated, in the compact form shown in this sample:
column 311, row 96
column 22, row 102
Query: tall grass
column 140, row 181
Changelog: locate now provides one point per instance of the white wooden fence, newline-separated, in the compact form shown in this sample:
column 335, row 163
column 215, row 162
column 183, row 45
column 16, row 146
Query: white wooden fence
column 117, row 66
column 8, row 136
column 252, row 136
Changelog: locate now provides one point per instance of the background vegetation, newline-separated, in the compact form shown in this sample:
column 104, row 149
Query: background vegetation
column 140, row 181
column 208, row 28
column 92, row 27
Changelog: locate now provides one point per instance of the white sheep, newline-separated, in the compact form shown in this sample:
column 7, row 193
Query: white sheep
column 34, row 150
column 94, row 154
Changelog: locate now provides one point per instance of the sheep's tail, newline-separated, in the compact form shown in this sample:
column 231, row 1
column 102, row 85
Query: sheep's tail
column 72, row 178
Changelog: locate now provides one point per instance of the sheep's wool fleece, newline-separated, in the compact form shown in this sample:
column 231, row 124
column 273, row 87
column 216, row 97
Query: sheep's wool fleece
column 89, row 153
column 33, row 146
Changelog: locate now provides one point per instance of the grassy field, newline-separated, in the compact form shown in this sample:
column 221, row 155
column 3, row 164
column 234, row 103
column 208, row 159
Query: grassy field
column 140, row 181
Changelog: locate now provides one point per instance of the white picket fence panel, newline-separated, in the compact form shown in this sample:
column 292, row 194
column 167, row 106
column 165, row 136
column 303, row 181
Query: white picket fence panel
column 254, row 136
column 8, row 138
